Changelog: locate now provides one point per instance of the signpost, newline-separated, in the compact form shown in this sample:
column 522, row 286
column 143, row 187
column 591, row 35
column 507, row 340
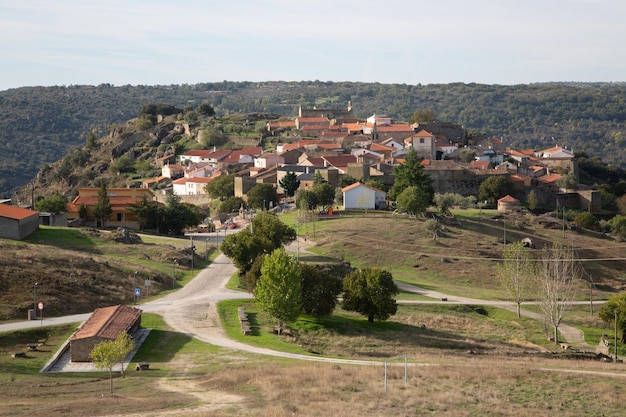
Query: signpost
column 137, row 294
column 40, row 305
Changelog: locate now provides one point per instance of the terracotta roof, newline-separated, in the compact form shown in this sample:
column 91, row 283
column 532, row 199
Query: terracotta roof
column 479, row 164
column 358, row 184
column 508, row 199
column 108, row 322
column 395, row 127
column 549, row 178
column 313, row 119
column 379, row 147
column 423, row 134
column 16, row 213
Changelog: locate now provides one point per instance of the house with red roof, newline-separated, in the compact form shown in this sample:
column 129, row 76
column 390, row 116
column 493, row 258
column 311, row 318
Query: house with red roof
column 363, row 197
column 17, row 223
column 122, row 201
column 104, row 324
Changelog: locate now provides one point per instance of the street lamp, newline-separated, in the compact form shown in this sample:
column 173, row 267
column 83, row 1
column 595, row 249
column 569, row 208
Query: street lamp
column 174, row 273
column 35, row 300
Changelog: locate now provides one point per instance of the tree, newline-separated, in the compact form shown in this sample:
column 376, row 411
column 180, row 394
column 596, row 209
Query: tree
column 269, row 226
column 557, row 274
column 370, row 291
column 567, row 181
column 423, row 116
column 320, row 290
column 615, row 309
column 91, row 141
column 231, row 205
column 467, row 155
column 587, row 220
column 262, row 196
column 324, row 192
column 290, row 184
column 433, row 226
column 221, row 187
column 102, row 209
column 206, row 109
column 517, row 273
column 493, row 188
column 176, row 216
column 107, row 354
column 411, row 173
column 347, row 180
column 146, row 213
column 412, row 200
column 53, row 204
column 533, row 200
column 618, row 225
column 306, row 200
column 279, row 289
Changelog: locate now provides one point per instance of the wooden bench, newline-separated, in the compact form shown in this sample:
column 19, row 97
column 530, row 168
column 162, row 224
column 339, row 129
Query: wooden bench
column 243, row 319
column 142, row 366
column 18, row 354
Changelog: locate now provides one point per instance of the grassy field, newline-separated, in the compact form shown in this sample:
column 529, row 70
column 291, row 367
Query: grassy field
column 463, row 360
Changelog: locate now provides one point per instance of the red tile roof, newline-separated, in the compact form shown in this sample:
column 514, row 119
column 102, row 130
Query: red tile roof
column 508, row 199
column 108, row 322
column 16, row 213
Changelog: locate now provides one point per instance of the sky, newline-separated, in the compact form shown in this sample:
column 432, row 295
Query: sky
column 138, row 42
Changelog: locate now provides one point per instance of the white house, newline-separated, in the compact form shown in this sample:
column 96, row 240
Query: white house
column 268, row 160
column 364, row 197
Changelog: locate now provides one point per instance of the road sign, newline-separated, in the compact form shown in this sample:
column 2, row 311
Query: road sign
column 40, row 305
column 137, row 292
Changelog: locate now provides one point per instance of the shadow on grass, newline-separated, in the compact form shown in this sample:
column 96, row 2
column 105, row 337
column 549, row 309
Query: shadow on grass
column 161, row 346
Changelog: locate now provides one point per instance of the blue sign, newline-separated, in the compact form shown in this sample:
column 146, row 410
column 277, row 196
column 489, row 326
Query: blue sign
column 137, row 292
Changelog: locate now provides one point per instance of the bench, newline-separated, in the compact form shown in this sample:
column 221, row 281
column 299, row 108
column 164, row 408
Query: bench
column 18, row 354
column 243, row 319
column 142, row 366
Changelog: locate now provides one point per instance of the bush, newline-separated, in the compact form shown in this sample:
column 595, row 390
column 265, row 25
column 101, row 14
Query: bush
column 588, row 221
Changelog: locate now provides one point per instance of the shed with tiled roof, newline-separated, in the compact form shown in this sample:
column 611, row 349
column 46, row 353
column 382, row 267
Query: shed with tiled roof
column 104, row 324
column 16, row 222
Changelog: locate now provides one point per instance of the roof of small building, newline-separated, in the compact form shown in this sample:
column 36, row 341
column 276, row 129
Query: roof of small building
column 108, row 322
column 359, row 184
column 16, row 213
column 508, row 199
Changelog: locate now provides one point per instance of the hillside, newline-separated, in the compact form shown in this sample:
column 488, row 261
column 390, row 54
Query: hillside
column 39, row 124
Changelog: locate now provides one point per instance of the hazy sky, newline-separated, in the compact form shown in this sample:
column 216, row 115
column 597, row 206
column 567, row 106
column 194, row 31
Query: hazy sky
column 65, row 42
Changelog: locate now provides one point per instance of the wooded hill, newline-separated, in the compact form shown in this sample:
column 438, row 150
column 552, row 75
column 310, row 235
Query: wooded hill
column 39, row 124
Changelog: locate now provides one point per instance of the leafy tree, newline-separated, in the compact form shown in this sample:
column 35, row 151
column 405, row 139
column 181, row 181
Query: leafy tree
column 54, row 204
column 91, row 141
column 306, row 200
column 615, row 307
column 82, row 212
column 318, row 178
column 587, row 220
column 517, row 273
column 370, row 291
column 206, row 109
column 320, row 290
column 269, row 226
column 221, row 187
column 102, row 209
column 324, row 192
column 433, row 226
column 467, row 155
column 412, row 200
column 214, row 137
column 279, row 289
column 557, row 274
column 376, row 183
column 533, row 200
column 423, row 116
column 146, row 213
column 231, row 205
column 290, row 183
column 347, row 180
column 493, row 188
column 261, row 195
column 123, row 164
column 567, row 181
column 244, row 247
column 618, row 225
column 107, row 354
column 412, row 174
column 176, row 215
column 251, row 277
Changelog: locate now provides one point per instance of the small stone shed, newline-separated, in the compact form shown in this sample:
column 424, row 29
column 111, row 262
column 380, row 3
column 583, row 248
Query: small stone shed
column 104, row 324
column 508, row 203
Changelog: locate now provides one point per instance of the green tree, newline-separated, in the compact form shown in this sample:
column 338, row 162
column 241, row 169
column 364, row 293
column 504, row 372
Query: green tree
column 587, row 220
column 269, row 226
column 91, row 141
column 262, row 196
column 533, row 200
column 433, row 227
column 231, row 205
column 279, row 289
column 376, row 183
column 206, row 109
column 176, row 215
column 102, row 209
column 467, row 155
column 567, row 181
column 107, row 354
column 244, row 247
column 423, row 116
column 318, row 178
column 370, row 292
column 412, row 200
column 412, row 174
column 618, row 225
column 221, row 187
column 290, row 183
column 615, row 308
column 146, row 212
column 493, row 188
column 53, row 204
column 306, row 200
column 324, row 193
column 517, row 273
column 347, row 180
column 320, row 290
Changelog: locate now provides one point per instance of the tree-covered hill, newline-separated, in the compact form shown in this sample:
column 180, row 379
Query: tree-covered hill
column 39, row 124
